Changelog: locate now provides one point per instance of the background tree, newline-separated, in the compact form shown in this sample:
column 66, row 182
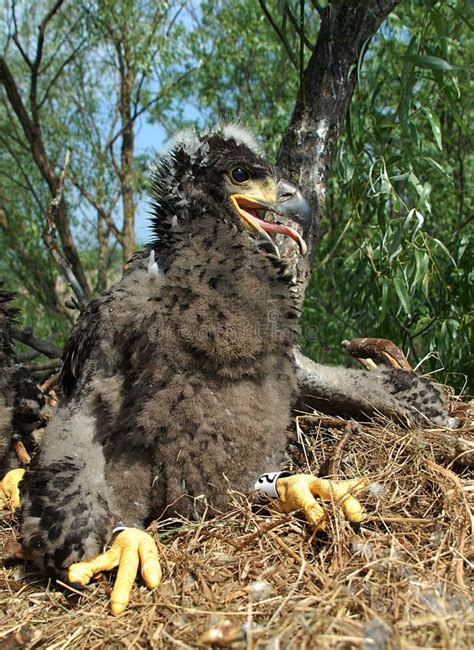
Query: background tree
column 24, row 111
column 78, row 78
column 396, row 251
column 393, row 255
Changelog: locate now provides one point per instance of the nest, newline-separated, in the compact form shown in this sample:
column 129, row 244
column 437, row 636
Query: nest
column 257, row 579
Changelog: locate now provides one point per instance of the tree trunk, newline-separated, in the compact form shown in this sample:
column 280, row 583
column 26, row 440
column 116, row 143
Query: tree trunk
column 126, row 161
column 102, row 239
column 308, row 146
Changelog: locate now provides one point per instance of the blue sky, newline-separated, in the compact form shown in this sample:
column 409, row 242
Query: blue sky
column 148, row 136
column 152, row 136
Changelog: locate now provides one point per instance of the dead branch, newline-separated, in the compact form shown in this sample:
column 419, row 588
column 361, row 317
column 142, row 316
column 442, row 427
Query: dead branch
column 49, row 238
column 54, row 364
column 41, row 345
column 49, row 383
column 27, row 356
column 22, row 455
column 334, row 464
column 103, row 214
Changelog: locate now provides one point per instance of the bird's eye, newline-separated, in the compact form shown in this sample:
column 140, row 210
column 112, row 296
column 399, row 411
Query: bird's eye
column 240, row 175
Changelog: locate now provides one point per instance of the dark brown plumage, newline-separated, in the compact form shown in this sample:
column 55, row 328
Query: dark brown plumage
column 7, row 365
column 180, row 379
column 397, row 394
column 21, row 401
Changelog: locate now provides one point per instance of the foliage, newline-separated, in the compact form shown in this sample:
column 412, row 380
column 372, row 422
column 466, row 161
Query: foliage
column 395, row 259
column 241, row 73
column 98, row 73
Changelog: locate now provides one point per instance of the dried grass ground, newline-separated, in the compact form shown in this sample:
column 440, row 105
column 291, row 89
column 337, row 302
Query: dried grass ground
column 259, row 580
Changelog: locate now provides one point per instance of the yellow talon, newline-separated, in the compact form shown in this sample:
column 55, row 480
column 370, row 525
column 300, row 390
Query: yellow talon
column 130, row 548
column 297, row 493
column 9, row 490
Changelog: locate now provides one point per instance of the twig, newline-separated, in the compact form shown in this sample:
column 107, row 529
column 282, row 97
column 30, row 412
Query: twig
column 285, row 547
column 419, row 521
column 41, row 345
column 334, row 464
column 47, row 385
column 70, row 588
column 41, row 367
column 262, row 530
column 28, row 355
column 453, row 447
column 49, row 238
column 280, row 34
column 457, row 562
column 299, row 30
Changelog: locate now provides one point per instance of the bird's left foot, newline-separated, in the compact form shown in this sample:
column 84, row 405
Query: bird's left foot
column 298, row 492
column 9, row 489
column 130, row 548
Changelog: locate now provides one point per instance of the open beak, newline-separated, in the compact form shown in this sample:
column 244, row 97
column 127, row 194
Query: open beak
column 290, row 204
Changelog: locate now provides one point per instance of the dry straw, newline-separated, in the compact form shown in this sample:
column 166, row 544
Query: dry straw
column 255, row 579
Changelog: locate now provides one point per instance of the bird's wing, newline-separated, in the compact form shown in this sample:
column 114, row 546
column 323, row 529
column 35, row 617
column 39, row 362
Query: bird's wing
column 397, row 394
column 96, row 322
column 80, row 343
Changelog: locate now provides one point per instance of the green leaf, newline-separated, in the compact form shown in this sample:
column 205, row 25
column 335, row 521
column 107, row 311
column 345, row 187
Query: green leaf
column 438, row 168
column 425, row 284
column 435, row 127
column 395, row 246
column 400, row 177
column 411, row 217
column 444, row 249
column 384, row 302
column 407, row 64
column 429, row 62
column 423, row 201
column 413, row 180
column 421, row 261
column 402, row 292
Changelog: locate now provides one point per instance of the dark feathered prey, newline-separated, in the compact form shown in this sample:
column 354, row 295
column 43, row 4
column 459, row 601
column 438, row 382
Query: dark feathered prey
column 21, row 401
column 181, row 378
column 7, row 365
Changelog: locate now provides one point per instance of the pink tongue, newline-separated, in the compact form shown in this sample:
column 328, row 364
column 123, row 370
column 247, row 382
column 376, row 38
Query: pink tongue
column 269, row 226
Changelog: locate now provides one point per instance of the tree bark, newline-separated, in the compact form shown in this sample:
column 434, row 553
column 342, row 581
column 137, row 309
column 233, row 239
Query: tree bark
column 126, row 160
column 127, row 73
column 308, row 146
column 102, row 240
column 32, row 131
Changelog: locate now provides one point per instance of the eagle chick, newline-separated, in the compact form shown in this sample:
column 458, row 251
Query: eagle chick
column 180, row 379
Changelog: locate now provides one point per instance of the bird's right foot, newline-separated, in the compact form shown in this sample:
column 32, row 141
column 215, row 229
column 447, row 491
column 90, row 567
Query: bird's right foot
column 130, row 548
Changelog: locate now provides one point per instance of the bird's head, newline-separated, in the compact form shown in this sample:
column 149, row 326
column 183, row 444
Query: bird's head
column 221, row 174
